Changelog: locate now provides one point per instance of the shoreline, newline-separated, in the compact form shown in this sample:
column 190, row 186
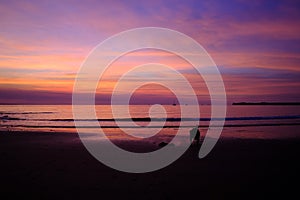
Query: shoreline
column 266, row 104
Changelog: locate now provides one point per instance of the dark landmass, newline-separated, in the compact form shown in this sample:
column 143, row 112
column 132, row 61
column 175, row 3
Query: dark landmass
column 267, row 103
column 57, row 166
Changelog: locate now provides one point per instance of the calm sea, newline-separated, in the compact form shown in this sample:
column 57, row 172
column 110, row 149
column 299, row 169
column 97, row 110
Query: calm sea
column 241, row 121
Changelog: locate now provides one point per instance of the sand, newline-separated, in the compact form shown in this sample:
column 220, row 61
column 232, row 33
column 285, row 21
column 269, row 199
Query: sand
column 51, row 165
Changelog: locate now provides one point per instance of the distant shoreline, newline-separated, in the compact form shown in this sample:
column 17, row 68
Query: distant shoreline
column 201, row 104
column 266, row 103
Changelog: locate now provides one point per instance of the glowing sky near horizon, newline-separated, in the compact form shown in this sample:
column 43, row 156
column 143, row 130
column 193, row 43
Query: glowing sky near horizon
column 255, row 44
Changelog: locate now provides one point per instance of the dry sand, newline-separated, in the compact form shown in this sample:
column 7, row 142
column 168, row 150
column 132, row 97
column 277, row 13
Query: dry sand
column 57, row 166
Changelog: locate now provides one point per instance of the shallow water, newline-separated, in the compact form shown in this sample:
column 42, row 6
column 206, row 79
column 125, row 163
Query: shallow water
column 241, row 121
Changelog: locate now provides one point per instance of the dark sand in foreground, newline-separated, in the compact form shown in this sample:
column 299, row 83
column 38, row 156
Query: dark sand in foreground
column 57, row 166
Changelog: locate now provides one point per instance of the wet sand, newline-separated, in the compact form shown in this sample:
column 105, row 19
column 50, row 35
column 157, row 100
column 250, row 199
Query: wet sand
column 57, row 166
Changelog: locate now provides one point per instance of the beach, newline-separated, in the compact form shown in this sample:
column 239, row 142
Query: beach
column 51, row 165
column 85, row 81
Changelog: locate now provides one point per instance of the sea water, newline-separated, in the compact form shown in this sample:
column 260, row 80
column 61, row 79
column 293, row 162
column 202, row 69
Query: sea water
column 240, row 121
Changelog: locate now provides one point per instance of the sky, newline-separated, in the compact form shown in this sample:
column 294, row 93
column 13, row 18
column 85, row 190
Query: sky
column 255, row 44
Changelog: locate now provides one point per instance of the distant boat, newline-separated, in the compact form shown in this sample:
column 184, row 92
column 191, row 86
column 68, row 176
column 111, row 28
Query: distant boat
column 174, row 104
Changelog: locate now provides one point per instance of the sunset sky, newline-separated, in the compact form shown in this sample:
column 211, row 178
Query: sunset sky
column 255, row 44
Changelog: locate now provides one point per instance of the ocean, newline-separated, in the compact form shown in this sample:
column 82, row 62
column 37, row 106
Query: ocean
column 254, row 121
